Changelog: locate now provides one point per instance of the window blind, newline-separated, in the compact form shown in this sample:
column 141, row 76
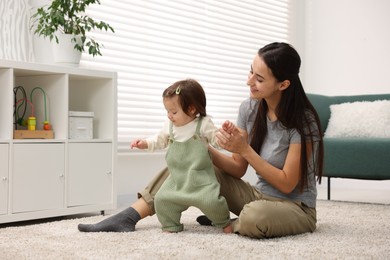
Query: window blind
column 159, row 42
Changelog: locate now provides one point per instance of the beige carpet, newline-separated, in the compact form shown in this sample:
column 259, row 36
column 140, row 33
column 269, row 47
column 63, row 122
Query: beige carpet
column 345, row 230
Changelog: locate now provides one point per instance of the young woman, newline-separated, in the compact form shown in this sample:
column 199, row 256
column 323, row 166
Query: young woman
column 278, row 134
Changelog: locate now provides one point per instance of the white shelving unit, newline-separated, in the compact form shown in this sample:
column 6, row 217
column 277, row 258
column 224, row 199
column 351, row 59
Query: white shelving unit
column 42, row 178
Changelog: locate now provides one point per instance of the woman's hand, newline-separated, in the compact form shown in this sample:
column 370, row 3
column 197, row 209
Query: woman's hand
column 233, row 164
column 232, row 138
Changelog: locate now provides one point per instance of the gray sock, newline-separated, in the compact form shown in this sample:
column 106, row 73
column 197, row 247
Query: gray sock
column 123, row 221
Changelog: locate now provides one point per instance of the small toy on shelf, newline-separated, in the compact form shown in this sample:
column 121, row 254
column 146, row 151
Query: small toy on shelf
column 31, row 132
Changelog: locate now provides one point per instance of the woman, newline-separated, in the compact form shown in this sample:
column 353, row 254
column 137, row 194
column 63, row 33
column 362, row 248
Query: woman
column 279, row 135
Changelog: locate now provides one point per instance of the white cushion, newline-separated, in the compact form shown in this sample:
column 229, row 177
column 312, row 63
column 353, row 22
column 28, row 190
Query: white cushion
column 359, row 119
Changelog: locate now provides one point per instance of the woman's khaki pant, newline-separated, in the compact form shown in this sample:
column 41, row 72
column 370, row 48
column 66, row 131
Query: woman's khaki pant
column 259, row 215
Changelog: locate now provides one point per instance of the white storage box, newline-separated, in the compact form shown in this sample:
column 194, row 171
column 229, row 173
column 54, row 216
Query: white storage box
column 80, row 125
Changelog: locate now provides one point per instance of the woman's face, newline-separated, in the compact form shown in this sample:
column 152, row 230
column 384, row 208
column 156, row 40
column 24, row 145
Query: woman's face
column 261, row 81
column 175, row 113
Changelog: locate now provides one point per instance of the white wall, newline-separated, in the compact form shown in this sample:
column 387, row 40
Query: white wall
column 346, row 52
column 347, row 46
column 134, row 172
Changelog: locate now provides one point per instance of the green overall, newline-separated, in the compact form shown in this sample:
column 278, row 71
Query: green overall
column 192, row 182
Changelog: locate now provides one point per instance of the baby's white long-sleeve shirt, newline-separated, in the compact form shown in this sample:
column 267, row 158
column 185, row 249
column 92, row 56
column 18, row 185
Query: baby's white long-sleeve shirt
column 207, row 132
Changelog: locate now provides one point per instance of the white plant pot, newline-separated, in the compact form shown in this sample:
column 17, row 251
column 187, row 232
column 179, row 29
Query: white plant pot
column 41, row 44
column 64, row 52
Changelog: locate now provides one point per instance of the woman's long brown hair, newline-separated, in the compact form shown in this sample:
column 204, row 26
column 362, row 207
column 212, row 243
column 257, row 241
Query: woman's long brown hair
column 294, row 110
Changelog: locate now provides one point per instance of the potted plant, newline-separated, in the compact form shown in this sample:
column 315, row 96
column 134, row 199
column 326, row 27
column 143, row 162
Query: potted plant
column 67, row 18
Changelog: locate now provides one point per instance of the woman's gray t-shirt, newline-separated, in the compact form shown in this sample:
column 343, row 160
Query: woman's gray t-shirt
column 274, row 151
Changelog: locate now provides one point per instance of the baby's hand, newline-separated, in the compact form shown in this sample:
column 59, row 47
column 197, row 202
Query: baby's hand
column 138, row 143
column 228, row 126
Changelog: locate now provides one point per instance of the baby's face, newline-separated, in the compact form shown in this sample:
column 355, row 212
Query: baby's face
column 175, row 112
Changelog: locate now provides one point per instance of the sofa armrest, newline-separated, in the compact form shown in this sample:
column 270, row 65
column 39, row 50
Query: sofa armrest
column 322, row 105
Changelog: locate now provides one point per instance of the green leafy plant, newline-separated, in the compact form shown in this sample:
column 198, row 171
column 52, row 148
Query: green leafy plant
column 68, row 16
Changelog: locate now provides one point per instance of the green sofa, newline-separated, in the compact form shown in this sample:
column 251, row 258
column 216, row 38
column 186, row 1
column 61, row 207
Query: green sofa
column 356, row 158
